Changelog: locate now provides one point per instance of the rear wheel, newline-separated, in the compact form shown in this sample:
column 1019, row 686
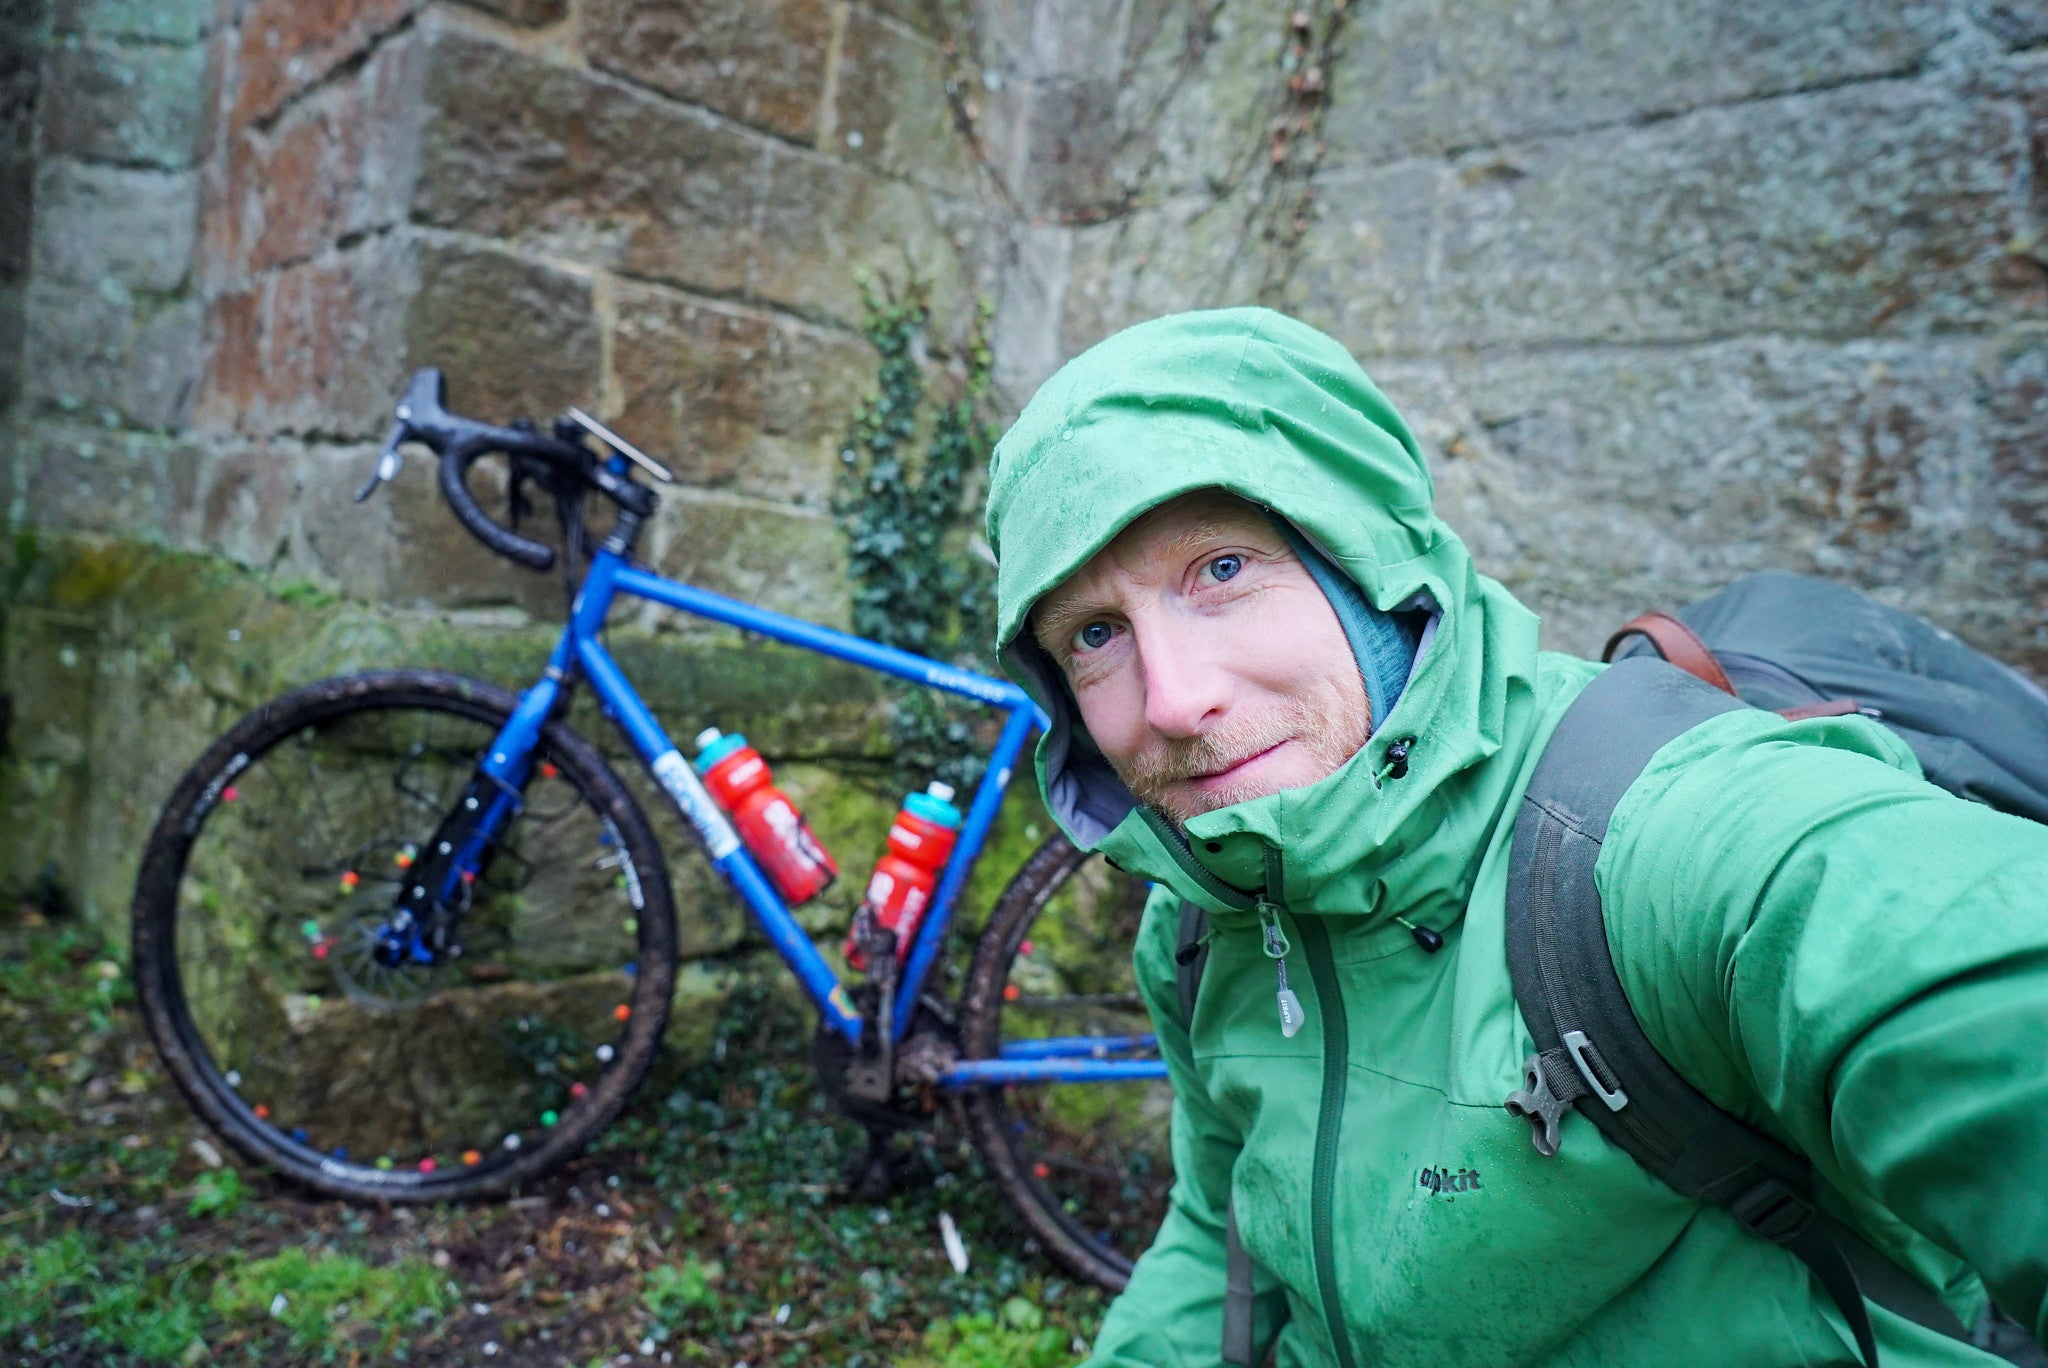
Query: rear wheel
column 1087, row 1165
column 263, row 957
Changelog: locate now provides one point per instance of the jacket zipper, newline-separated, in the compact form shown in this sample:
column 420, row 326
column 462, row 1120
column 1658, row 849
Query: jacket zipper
column 1315, row 944
column 1315, row 941
column 1177, row 846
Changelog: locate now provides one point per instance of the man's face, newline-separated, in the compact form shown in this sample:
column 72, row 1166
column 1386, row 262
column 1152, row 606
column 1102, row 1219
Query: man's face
column 1207, row 664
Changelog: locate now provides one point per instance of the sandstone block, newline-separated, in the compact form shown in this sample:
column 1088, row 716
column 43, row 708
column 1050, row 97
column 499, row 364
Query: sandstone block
column 1195, row 93
column 927, row 18
column 101, row 223
column 517, row 148
column 892, row 112
column 157, row 21
column 132, row 103
column 526, row 13
column 791, row 561
column 735, row 398
column 111, row 353
column 823, row 223
column 79, row 476
column 1872, row 207
column 1192, row 251
column 336, row 163
column 2016, row 23
column 317, row 346
column 512, row 337
column 1597, row 484
column 762, row 64
column 2014, row 381
column 281, row 47
column 1424, row 76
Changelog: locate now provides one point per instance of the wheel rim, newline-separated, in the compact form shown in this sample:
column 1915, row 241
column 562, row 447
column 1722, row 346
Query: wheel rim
column 409, row 1075
column 1093, row 1159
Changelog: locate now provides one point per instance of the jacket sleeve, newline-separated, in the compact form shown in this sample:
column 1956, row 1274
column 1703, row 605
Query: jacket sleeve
column 1171, row 1314
column 1850, row 957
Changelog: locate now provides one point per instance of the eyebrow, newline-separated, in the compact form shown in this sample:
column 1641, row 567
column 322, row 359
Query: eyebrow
column 1050, row 623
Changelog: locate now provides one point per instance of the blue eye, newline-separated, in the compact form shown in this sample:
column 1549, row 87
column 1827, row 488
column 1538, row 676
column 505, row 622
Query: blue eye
column 1094, row 636
column 1226, row 567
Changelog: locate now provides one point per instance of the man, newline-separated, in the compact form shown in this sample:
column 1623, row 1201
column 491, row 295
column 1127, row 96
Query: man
column 1280, row 689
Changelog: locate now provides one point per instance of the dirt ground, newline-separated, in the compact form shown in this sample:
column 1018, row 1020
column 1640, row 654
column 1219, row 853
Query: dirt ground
column 710, row 1224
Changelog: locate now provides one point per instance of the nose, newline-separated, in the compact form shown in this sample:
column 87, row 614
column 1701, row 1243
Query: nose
column 1187, row 689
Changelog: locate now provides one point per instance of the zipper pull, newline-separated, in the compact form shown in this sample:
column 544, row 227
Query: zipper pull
column 1276, row 950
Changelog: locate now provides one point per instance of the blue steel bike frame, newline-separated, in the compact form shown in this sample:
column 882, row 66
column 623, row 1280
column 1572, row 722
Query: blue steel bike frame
column 1072, row 1059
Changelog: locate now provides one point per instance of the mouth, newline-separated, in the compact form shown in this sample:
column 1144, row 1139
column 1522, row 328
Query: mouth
column 1220, row 778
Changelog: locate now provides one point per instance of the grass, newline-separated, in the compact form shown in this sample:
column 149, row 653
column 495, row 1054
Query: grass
column 709, row 1225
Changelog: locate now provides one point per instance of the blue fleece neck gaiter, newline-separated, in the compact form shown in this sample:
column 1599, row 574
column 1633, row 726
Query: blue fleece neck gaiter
column 1384, row 643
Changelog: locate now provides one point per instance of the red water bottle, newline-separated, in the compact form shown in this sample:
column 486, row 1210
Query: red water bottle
column 789, row 851
column 900, row 891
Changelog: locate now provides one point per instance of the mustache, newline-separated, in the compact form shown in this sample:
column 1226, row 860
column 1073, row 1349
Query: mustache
column 1176, row 759
column 1157, row 776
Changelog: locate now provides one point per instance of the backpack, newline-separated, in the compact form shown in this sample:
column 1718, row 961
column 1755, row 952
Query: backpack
column 1801, row 647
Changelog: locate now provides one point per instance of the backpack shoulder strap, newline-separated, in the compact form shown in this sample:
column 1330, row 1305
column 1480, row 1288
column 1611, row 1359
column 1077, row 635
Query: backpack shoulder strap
column 1590, row 1050
column 1190, row 958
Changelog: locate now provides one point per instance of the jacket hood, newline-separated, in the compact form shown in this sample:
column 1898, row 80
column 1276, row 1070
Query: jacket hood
column 1267, row 408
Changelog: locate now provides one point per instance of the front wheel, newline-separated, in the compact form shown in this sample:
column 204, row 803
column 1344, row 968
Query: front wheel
column 1087, row 1165
column 272, row 981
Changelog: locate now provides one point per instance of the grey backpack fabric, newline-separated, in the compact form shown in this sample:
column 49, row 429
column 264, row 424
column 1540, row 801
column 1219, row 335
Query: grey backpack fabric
column 1979, row 728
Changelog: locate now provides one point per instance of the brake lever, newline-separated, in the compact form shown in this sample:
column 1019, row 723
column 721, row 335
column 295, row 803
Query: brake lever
column 389, row 463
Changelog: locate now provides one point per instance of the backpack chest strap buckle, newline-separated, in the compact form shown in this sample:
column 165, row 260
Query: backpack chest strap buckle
column 1552, row 1086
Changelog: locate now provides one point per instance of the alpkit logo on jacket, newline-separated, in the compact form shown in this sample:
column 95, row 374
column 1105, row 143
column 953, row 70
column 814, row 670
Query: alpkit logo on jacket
column 1440, row 1180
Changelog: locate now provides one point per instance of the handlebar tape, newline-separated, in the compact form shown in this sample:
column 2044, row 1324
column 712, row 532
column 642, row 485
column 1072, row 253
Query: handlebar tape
column 455, row 464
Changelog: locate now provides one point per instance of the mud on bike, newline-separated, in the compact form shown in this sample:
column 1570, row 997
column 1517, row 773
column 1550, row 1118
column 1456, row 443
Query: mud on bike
column 405, row 936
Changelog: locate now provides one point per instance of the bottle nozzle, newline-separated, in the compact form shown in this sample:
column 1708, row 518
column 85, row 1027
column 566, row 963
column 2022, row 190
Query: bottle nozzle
column 941, row 791
column 707, row 736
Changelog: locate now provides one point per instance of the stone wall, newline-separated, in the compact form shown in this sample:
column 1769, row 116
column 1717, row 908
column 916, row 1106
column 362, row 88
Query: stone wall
column 1672, row 290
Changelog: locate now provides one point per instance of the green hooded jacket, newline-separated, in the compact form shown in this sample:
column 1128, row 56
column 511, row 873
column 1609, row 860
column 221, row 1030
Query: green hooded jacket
column 1824, row 943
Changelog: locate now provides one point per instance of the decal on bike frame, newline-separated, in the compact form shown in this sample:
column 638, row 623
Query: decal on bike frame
column 697, row 804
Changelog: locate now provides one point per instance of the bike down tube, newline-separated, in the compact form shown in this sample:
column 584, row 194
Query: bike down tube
column 673, row 772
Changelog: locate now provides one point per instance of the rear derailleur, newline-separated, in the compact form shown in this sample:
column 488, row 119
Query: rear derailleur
column 886, row 1086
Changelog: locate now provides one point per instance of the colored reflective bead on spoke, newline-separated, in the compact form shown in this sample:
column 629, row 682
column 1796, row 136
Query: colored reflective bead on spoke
column 472, row 1158
column 577, row 1090
column 262, row 1112
column 622, row 1011
column 384, row 1162
column 548, row 1118
column 428, row 1164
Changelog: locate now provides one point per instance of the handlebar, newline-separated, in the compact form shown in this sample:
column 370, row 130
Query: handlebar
column 423, row 416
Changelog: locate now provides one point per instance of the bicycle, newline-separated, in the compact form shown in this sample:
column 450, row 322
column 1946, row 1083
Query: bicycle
column 405, row 936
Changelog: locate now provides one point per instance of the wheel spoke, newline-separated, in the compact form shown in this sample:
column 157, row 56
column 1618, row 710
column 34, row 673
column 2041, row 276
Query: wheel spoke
column 324, row 1029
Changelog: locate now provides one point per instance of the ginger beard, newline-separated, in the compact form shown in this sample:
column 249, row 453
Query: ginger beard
column 1206, row 663
column 1330, row 730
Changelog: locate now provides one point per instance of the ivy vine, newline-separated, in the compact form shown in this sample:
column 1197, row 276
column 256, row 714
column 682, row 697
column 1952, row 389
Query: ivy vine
column 907, row 516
